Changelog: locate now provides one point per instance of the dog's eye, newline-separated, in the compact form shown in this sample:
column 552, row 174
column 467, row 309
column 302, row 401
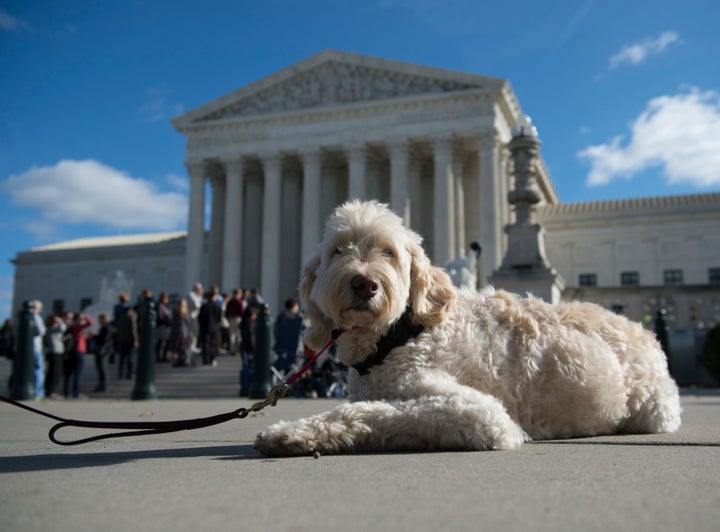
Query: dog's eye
column 387, row 252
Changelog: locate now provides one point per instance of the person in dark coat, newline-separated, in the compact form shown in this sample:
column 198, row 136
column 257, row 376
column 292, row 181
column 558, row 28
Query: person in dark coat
column 127, row 341
column 164, row 326
column 102, row 346
column 209, row 324
column 287, row 330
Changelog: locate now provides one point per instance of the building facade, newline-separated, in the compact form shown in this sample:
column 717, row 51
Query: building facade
column 281, row 153
column 272, row 159
column 90, row 273
column 637, row 256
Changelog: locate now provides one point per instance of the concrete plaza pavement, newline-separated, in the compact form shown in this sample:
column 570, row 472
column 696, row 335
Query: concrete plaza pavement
column 212, row 479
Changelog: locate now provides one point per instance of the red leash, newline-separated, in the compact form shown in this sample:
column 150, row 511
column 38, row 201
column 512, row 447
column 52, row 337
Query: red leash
column 335, row 335
column 141, row 428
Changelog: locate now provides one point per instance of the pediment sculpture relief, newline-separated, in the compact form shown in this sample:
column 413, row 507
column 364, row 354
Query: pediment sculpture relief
column 336, row 83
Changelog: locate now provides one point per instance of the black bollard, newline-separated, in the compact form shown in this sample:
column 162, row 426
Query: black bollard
column 661, row 332
column 23, row 374
column 261, row 362
column 145, row 373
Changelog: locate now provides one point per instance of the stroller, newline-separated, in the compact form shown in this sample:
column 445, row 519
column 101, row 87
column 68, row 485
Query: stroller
column 325, row 378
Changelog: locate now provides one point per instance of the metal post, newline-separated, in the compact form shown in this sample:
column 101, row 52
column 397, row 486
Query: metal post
column 23, row 377
column 261, row 365
column 145, row 373
column 661, row 332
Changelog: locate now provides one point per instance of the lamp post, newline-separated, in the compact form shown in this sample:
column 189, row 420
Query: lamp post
column 525, row 267
column 23, row 383
column 477, row 249
column 145, row 375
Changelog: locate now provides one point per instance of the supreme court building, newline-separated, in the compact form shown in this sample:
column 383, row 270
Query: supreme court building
column 281, row 153
column 271, row 160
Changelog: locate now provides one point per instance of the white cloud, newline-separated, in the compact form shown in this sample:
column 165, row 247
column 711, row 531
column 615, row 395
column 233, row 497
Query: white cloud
column 156, row 106
column 679, row 133
column 78, row 192
column 178, row 182
column 574, row 24
column 10, row 23
column 637, row 53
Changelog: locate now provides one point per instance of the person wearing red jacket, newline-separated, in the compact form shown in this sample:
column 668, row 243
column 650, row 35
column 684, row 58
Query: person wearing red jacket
column 233, row 312
column 75, row 357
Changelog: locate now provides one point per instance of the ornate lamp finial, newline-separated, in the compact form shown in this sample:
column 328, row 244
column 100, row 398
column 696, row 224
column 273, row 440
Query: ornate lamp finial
column 524, row 128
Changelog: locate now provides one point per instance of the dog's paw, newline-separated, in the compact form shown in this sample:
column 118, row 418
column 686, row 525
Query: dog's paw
column 511, row 439
column 508, row 436
column 285, row 439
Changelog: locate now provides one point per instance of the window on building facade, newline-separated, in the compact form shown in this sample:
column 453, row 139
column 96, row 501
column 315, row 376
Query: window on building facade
column 85, row 302
column 587, row 279
column 673, row 277
column 714, row 276
column 629, row 279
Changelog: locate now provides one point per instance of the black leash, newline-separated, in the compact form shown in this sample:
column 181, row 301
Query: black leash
column 143, row 428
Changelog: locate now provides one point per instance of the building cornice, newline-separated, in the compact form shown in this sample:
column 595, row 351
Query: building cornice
column 622, row 211
column 338, row 112
column 103, row 247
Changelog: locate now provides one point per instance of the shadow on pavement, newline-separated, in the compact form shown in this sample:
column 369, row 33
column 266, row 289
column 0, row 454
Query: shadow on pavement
column 627, row 443
column 48, row 462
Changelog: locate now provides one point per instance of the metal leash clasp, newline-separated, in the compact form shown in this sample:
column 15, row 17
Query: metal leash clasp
column 276, row 393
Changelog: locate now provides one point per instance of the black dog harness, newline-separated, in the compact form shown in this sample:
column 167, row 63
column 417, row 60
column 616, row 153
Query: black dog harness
column 402, row 330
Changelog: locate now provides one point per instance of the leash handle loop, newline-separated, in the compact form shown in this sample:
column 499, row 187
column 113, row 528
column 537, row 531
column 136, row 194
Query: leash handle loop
column 143, row 428
column 138, row 428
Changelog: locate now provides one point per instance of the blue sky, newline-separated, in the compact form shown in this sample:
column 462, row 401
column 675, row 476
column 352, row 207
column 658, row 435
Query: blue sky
column 625, row 94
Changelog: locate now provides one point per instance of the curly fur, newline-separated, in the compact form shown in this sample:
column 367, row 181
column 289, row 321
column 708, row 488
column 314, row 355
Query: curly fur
column 490, row 370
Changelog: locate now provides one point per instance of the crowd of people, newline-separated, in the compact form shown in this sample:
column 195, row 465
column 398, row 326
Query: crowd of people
column 59, row 346
column 195, row 330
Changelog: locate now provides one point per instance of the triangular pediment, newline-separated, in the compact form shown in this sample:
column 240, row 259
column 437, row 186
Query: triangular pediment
column 333, row 78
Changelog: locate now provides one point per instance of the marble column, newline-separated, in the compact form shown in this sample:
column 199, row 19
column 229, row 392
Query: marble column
column 356, row 171
column 460, row 240
column 505, row 186
column 491, row 225
column 232, row 234
column 217, row 230
column 399, row 198
column 312, row 165
column 443, row 189
column 415, row 194
column 270, row 261
column 194, row 252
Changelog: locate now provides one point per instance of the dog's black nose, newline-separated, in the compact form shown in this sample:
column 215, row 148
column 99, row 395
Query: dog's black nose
column 364, row 286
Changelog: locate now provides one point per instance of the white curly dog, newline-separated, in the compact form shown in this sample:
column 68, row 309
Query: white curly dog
column 435, row 368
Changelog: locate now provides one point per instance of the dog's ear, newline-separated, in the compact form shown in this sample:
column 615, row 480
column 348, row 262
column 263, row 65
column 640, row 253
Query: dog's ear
column 431, row 290
column 321, row 327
